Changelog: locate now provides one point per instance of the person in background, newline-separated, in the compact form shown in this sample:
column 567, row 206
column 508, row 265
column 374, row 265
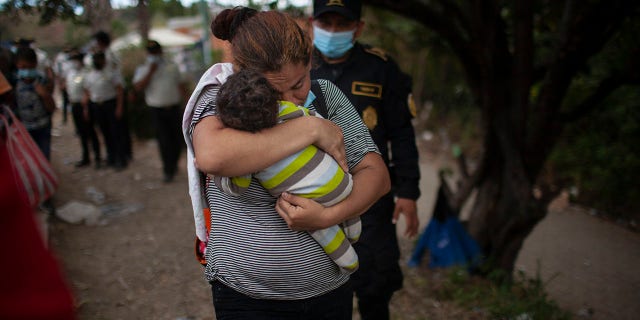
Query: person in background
column 261, row 262
column 74, row 75
column 34, row 105
column 101, row 42
column 382, row 95
column 61, row 64
column 165, row 93
column 44, row 64
column 34, row 100
column 104, row 100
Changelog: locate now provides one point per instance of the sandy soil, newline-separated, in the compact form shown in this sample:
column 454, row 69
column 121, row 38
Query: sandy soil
column 137, row 262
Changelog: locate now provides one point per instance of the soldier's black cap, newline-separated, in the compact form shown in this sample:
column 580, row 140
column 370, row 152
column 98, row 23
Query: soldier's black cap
column 23, row 42
column 76, row 55
column 153, row 46
column 351, row 9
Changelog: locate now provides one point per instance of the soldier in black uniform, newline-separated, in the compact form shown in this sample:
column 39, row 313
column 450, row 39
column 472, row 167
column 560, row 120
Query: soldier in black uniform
column 382, row 95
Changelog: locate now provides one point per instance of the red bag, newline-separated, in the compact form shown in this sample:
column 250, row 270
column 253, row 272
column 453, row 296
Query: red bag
column 32, row 171
column 33, row 285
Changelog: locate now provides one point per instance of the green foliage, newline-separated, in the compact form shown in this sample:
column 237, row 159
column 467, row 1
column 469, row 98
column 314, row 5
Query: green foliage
column 521, row 298
column 419, row 52
column 438, row 81
column 171, row 8
column 600, row 155
column 48, row 10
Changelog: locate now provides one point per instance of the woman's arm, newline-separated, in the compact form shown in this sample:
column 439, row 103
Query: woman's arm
column 370, row 182
column 228, row 152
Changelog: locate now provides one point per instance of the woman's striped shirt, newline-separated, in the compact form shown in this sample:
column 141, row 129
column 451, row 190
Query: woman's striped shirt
column 251, row 249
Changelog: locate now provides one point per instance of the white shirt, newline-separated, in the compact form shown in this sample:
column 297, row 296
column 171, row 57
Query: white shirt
column 73, row 81
column 163, row 90
column 102, row 84
column 113, row 62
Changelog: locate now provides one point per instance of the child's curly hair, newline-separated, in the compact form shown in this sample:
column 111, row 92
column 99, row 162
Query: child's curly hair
column 246, row 101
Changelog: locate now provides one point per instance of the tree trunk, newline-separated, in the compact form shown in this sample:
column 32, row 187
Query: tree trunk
column 99, row 14
column 504, row 212
column 143, row 18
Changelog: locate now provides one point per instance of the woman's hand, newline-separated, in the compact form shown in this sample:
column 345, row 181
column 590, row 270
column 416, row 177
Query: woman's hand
column 370, row 182
column 302, row 214
column 330, row 140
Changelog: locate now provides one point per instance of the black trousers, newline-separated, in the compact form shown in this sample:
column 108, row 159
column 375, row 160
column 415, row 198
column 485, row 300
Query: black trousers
column 379, row 274
column 86, row 132
column 231, row 305
column 167, row 125
column 112, row 130
column 65, row 105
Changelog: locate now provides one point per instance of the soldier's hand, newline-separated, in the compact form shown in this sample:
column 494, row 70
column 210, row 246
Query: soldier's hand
column 409, row 209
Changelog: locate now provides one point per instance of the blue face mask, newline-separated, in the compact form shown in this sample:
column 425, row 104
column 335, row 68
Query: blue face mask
column 28, row 74
column 333, row 44
column 310, row 98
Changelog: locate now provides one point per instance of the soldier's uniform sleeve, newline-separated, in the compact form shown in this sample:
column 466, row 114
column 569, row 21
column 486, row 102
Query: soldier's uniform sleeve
column 399, row 110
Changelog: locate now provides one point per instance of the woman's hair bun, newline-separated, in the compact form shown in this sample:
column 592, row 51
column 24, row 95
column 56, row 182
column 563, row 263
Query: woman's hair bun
column 226, row 23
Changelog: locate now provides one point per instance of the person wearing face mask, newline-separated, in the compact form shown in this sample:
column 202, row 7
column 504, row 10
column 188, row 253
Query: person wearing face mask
column 34, row 104
column 165, row 93
column 44, row 63
column 74, row 74
column 381, row 93
column 34, row 101
column 104, row 102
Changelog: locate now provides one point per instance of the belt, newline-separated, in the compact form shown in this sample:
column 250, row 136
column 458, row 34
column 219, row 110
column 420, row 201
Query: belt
column 103, row 102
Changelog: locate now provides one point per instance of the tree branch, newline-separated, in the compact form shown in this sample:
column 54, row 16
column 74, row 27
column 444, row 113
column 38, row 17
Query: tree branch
column 580, row 39
column 443, row 23
column 604, row 89
column 523, row 64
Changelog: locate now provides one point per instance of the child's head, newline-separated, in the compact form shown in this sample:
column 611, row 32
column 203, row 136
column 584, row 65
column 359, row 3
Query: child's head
column 26, row 62
column 248, row 102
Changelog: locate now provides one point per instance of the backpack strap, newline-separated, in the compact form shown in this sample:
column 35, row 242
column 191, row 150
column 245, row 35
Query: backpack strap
column 320, row 104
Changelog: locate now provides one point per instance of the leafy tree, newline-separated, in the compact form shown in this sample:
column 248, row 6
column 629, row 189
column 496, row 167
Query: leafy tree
column 521, row 60
column 97, row 14
column 49, row 10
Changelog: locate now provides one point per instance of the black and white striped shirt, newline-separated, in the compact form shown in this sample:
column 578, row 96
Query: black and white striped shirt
column 251, row 249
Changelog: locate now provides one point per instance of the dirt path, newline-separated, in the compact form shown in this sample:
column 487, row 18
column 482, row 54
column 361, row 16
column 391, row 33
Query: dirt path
column 137, row 262
column 591, row 266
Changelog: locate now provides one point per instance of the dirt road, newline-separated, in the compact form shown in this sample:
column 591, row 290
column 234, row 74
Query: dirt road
column 137, row 261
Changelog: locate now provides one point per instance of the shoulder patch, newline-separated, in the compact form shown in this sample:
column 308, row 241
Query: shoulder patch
column 377, row 52
column 412, row 105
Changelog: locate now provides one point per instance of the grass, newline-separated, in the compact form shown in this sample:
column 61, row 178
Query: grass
column 520, row 299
